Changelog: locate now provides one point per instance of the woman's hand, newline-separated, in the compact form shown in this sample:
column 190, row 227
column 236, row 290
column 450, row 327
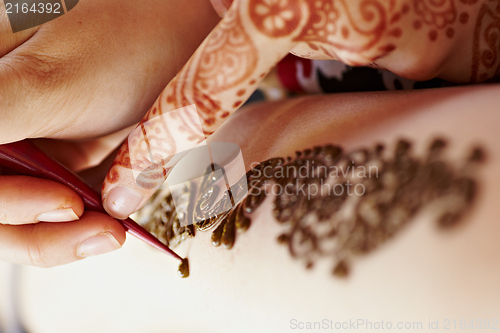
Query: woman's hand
column 29, row 233
column 89, row 73
column 96, row 69
column 455, row 40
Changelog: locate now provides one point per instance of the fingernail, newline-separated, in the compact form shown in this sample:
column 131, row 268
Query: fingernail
column 219, row 7
column 58, row 215
column 98, row 244
column 121, row 202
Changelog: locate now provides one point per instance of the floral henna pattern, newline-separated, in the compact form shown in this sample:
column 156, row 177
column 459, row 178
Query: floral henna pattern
column 225, row 60
column 275, row 18
column 439, row 14
column 331, row 204
column 256, row 34
column 486, row 60
column 341, row 31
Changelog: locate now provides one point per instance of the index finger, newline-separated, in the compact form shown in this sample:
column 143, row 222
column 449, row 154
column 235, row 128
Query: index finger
column 220, row 76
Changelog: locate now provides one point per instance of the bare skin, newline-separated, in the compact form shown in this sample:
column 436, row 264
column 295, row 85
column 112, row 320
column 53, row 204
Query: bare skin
column 423, row 273
column 415, row 39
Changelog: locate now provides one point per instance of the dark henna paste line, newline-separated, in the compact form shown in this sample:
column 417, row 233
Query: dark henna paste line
column 331, row 224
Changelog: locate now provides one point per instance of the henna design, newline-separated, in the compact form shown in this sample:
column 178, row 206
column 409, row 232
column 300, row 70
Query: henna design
column 226, row 59
column 486, row 48
column 154, row 141
column 275, row 18
column 464, row 18
column 440, row 15
column 322, row 26
column 332, row 222
column 256, row 34
column 437, row 13
column 356, row 33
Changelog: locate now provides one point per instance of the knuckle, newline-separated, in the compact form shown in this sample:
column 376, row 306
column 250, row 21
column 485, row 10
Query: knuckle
column 40, row 71
column 36, row 256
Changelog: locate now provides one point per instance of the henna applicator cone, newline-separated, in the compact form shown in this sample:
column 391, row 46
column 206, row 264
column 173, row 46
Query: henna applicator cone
column 25, row 158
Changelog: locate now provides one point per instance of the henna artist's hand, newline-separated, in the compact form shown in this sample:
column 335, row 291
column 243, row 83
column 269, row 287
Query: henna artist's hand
column 96, row 69
column 417, row 39
column 25, row 237
column 88, row 74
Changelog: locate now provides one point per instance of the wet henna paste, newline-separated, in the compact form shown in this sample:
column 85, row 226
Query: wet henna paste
column 338, row 221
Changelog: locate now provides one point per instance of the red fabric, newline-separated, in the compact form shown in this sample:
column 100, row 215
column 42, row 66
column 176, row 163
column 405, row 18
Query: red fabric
column 287, row 72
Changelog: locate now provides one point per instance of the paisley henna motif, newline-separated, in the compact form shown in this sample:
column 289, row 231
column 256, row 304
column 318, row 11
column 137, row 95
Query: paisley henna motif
column 226, row 59
column 256, row 34
column 229, row 57
column 355, row 32
column 322, row 26
column 486, row 61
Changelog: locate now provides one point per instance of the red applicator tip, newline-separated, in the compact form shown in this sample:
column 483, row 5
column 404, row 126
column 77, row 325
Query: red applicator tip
column 25, row 158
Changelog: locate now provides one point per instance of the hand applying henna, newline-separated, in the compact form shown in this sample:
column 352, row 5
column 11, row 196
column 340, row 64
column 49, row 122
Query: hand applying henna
column 82, row 77
column 416, row 39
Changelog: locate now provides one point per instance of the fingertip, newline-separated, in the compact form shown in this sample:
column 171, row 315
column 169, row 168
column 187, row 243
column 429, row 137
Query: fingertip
column 121, row 201
column 108, row 235
column 220, row 7
column 98, row 244
column 58, row 215
column 52, row 244
column 100, row 222
column 30, row 200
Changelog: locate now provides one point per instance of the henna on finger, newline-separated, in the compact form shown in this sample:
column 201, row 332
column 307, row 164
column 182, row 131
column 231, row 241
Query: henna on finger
column 219, row 77
column 333, row 204
column 256, row 34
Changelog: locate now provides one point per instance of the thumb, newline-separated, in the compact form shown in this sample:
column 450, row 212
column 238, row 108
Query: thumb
column 48, row 244
column 220, row 76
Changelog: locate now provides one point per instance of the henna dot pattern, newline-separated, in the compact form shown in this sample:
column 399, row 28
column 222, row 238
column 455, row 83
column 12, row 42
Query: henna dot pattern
column 433, row 35
column 464, row 18
column 331, row 204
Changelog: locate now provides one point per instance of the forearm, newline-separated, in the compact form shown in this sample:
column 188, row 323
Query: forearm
column 259, row 285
